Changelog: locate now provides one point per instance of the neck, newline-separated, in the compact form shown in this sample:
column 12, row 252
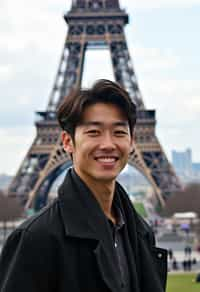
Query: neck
column 103, row 191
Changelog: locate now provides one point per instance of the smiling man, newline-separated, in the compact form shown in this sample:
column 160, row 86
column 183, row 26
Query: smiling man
column 90, row 239
column 100, row 149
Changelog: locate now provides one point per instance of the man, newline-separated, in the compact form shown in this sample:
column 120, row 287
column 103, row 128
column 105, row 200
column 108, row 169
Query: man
column 90, row 239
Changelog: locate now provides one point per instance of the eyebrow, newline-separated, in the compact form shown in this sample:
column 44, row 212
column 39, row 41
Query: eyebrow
column 97, row 123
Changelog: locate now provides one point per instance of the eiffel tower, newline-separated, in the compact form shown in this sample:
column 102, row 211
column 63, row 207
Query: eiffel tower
column 91, row 23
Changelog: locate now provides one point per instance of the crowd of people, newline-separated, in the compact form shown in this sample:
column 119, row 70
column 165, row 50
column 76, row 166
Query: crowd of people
column 186, row 265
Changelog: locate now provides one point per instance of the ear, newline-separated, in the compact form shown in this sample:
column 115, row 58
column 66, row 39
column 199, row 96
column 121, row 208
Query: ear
column 67, row 142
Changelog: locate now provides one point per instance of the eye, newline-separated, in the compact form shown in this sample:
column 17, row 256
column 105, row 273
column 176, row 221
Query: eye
column 120, row 133
column 93, row 132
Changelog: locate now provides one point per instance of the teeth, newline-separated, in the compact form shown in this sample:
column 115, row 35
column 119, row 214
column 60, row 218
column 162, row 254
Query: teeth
column 106, row 159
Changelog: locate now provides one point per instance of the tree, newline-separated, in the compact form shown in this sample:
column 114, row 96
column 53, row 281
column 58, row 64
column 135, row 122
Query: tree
column 10, row 210
column 187, row 200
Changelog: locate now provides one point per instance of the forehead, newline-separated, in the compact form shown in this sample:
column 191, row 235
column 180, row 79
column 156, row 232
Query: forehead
column 103, row 112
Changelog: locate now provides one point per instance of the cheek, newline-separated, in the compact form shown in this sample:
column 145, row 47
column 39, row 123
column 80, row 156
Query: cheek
column 82, row 147
column 86, row 143
column 126, row 146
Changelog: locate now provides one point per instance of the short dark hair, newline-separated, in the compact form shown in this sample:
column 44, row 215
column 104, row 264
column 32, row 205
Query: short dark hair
column 69, row 113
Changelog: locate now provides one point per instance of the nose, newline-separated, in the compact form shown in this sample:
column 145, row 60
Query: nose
column 107, row 142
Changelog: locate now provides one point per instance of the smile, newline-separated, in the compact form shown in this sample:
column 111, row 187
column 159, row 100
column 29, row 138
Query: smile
column 106, row 159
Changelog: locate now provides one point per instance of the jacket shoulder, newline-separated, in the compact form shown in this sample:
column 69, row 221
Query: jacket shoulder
column 43, row 228
column 38, row 235
column 33, row 244
column 45, row 219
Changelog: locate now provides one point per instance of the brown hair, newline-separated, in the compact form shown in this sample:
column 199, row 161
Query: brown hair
column 70, row 112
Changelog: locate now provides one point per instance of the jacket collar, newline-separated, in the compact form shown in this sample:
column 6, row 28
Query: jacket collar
column 81, row 213
column 80, row 210
column 83, row 218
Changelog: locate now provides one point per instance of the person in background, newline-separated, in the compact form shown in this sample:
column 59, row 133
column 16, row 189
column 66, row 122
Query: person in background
column 197, row 280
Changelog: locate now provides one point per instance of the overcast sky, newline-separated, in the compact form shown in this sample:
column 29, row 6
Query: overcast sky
column 163, row 40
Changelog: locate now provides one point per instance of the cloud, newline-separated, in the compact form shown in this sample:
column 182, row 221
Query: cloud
column 28, row 23
column 154, row 59
column 102, row 68
column 32, row 37
column 176, row 101
column 167, row 85
column 163, row 84
column 156, row 4
column 6, row 72
column 14, row 146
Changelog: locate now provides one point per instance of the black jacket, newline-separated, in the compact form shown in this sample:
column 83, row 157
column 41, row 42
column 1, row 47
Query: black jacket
column 68, row 247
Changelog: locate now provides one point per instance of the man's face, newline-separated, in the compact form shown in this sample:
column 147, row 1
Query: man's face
column 102, row 143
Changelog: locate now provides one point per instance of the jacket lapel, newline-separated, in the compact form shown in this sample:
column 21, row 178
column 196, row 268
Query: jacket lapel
column 89, row 223
column 131, row 237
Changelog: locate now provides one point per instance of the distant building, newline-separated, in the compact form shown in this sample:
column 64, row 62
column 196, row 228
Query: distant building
column 187, row 170
column 196, row 168
column 182, row 161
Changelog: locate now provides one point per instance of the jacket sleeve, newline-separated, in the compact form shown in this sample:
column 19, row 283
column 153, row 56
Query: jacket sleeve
column 25, row 264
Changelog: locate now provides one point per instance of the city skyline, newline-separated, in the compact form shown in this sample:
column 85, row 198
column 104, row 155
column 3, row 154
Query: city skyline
column 163, row 42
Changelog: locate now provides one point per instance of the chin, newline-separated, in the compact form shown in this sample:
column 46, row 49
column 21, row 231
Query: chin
column 106, row 178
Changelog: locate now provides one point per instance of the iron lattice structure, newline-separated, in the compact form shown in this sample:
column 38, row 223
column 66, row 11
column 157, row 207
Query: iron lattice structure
column 96, row 23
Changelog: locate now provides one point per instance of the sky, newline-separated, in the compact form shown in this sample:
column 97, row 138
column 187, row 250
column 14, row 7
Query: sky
column 163, row 40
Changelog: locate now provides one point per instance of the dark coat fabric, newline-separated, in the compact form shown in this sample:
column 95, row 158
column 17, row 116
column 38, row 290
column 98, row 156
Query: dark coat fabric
column 68, row 247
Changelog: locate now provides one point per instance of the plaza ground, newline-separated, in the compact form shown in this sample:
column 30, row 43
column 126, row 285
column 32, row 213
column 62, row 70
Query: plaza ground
column 182, row 282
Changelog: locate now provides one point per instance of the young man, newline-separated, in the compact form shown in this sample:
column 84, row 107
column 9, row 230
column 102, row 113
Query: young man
column 90, row 239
